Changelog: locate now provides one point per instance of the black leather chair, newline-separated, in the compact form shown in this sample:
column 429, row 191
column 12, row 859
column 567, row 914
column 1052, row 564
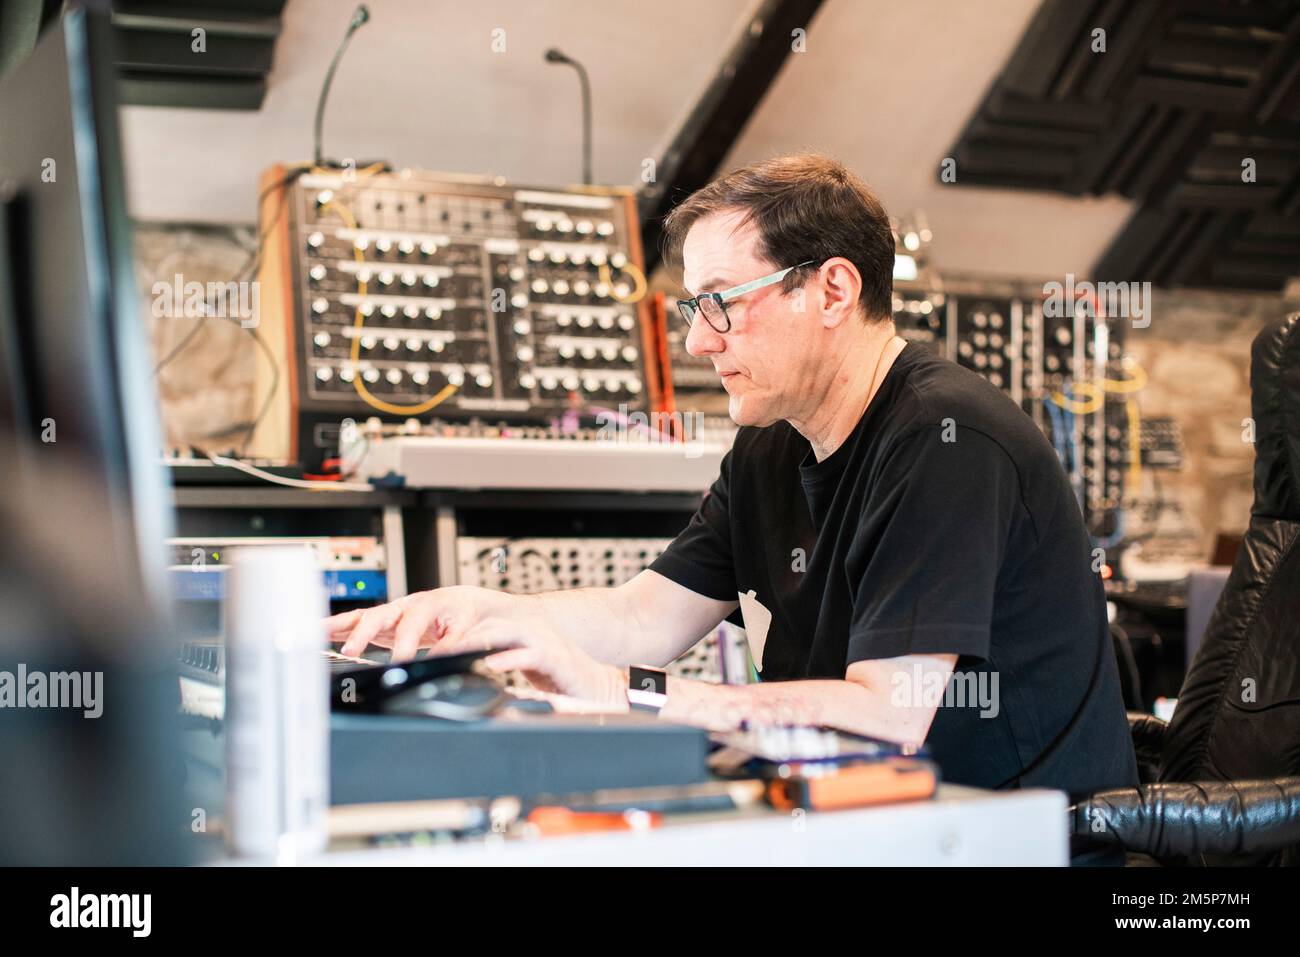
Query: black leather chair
column 1221, row 781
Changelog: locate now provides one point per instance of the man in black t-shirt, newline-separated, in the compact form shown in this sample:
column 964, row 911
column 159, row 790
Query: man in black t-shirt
column 897, row 537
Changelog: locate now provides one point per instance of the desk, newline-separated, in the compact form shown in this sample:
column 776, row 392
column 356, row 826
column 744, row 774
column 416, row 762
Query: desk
column 960, row 827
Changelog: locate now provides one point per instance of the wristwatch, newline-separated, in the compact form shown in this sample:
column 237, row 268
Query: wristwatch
column 647, row 689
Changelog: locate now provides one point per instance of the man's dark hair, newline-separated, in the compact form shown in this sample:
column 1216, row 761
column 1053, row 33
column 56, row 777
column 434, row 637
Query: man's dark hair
column 805, row 206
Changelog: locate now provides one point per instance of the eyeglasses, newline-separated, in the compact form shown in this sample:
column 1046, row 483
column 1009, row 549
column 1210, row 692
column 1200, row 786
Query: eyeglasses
column 713, row 305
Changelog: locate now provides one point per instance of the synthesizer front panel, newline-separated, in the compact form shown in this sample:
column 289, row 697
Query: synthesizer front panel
column 414, row 290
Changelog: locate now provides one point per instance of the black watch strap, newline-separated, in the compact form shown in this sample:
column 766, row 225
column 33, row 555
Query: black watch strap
column 647, row 689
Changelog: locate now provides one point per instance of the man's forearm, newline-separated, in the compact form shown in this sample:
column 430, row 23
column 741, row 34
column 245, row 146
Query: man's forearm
column 595, row 619
column 846, row 705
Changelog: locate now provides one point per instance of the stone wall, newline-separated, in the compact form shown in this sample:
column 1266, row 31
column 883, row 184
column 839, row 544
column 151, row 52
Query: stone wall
column 1197, row 354
column 206, row 389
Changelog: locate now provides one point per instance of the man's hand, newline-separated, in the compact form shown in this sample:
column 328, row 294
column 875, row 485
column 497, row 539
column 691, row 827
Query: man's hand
column 417, row 621
column 547, row 659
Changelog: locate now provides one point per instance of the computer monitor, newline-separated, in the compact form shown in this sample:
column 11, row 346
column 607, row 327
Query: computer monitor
column 87, row 667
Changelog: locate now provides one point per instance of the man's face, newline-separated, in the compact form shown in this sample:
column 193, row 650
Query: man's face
column 765, row 359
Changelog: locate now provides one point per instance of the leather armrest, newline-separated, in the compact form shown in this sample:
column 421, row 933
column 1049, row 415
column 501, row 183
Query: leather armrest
column 1204, row 817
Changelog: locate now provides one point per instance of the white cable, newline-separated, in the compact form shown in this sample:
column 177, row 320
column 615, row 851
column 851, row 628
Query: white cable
column 292, row 483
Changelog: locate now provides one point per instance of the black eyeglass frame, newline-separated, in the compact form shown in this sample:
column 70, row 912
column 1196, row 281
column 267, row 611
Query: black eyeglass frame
column 689, row 307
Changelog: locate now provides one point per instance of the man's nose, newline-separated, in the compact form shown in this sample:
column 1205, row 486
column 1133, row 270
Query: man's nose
column 702, row 339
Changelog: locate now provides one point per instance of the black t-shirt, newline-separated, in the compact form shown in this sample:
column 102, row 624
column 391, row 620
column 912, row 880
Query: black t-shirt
column 945, row 523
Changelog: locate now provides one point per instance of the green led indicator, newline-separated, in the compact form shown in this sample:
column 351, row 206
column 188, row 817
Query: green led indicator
column 361, row 586
column 216, row 556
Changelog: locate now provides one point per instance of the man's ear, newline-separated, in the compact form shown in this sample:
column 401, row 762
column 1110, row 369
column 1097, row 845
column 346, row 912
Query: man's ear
column 841, row 285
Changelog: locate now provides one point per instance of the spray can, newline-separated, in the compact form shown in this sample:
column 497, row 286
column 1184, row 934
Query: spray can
column 277, row 704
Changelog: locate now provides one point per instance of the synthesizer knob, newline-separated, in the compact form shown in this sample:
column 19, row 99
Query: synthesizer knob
column 618, row 260
column 364, row 275
column 979, row 320
column 561, row 287
column 548, row 382
column 432, row 313
column 319, row 305
column 563, row 320
column 371, row 375
column 386, row 278
column 519, row 300
column 980, row 340
column 527, row 380
column 602, row 290
column 1063, row 335
column 436, row 345
column 605, row 228
column 322, row 339
column 980, row 360
column 522, row 327
column 536, row 254
column 927, row 307
column 585, row 227
column 391, row 343
column 347, row 374
column 611, row 385
column 570, row 382
column 578, row 258
column 995, row 360
column 367, row 343
column 324, row 373
column 517, row 273
column 388, row 310
column 996, row 379
column 629, row 353
column 430, row 280
column 414, row 345
column 622, row 290
column 995, row 341
column 609, row 353
column 420, row 377
column 456, row 376
column 964, row 350
column 567, row 351
column 606, row 321
column 557, row 256
column 524, row 353
column 394, row 376
column 590, row 384
column 483, row 380
column 626, row 322
column 539, row 286
column 318, row 272
column 316, row 240
column 564, row 226
column 383, row 245
column 408, row 279
column 325, row 197
column 995, row 321
column 406, row 247
column 582, row 288
column 584, row 321
column 598, row 258
column 588, row 352
column 361, row 243
column 634, row 386
column 543, row 225
column 428, row 248
column 411, row 311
